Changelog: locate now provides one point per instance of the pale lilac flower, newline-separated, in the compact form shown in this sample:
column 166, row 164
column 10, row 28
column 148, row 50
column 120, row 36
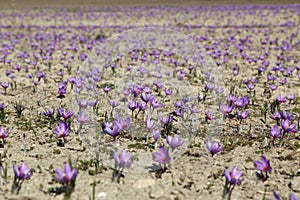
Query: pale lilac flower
column 123, row 160
column 162, row 157
column 174, row 142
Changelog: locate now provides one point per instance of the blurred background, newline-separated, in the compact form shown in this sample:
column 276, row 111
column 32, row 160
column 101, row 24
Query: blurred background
column 6, row 4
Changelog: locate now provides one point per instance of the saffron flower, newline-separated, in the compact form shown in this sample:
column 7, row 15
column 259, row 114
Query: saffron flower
column 122, row 124
column 276, row 132
column 83, row 118
column 122, row 160
column 21, row 173
column 174, row 142
column 67, row 178
column 3, row 134
column 233, row 178
column 287, row 127
column 112, row 131
column 213, row 148
column 264, row 166
column 62, row 130
column 65, row 114
column 162, row 157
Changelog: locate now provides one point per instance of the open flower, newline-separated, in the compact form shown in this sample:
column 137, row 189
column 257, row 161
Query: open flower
column 263, row 166
column 123, row 160
column 3, row 134
column 67, row 176
column 22, row 172
column 62, row 130
column 233, row 177
column 162, row 157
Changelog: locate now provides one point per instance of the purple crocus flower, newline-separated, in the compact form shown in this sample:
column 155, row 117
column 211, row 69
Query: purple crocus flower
column 62, row 130
column 83, row 118
column 106, row 89
column 242, row 115
column 276, row 116
column 113, row 104
column 231, row 98
column 122, row 124
column 150, row 125
column 174, row 142
column 213, row 148
column 142, row 106
column 67, row 176
column 263, row 165
column 233, row 177
column 145, row 97
column 285, row 116
column 48, row 113
column 209, row 116
column 156, row 134
column 112, row 131
column 22, row 172
column 276, row 132
column 123, row 160
column 168, row 92
column 65, row 114
column 162, row 157
column 239, row 103
column 4, row 85
column 227, row 109
column 287, row 127
column 155, row 104
column 293, row 197
column 133, row 105
column 3, row 134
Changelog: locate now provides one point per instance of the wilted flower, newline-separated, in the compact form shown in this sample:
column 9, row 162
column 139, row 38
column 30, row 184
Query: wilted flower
column 213, row 148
